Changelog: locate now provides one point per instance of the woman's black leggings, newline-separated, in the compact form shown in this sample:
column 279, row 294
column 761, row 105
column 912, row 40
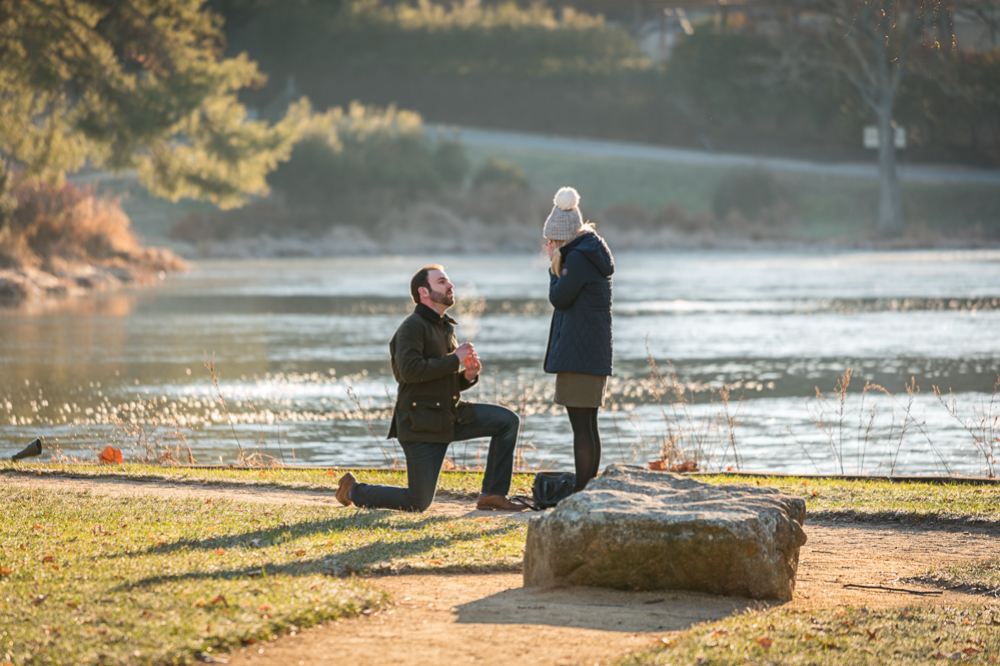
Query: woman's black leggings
column 586, row 443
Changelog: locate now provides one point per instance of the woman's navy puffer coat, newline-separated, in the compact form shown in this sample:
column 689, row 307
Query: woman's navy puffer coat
column 580, row 335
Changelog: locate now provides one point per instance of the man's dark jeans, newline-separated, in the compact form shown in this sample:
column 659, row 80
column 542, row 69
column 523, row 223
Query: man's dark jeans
column 424, row 461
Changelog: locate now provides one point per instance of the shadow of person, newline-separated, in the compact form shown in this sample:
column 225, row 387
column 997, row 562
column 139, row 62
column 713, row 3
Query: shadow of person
column 604, row 609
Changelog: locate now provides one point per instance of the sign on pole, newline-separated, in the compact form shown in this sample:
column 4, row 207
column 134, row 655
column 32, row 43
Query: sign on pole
column 869, row 137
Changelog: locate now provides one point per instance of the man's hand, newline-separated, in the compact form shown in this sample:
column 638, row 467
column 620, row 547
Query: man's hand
column 464, row 350
column 472, row 366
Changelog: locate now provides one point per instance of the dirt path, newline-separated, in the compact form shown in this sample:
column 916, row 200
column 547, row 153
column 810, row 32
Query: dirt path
column 443, row 506
column 492, row 619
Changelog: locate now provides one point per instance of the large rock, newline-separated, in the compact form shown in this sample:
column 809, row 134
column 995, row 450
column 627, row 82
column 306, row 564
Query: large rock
column 633, row 528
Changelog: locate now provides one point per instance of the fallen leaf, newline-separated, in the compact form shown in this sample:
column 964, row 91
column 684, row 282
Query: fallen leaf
column 905, row 615
column 4, row 571
column 72, row 604
column 146, row 613
column 110, row 456
column 658, row 465
column 38, row 598
column 481, row 519
column 248, row 641
column 685, row 467
column 219, row 552
column 765, row 642
column 437, row 562
column 815, row 493
column 970, row 650
column 300, row 553
column 872, row 633
column 668, row 642
column 328, row 472
column 220, row 600
column 717, row 633
column 48, row 558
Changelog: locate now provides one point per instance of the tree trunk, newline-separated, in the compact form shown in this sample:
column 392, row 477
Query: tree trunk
column 7, row 201
column 890, row 203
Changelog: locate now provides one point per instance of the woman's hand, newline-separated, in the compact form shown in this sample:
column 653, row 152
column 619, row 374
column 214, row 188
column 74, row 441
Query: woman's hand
column 551, row 248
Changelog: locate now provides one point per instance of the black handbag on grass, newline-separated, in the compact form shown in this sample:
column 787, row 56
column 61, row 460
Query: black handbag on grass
column 548, row 489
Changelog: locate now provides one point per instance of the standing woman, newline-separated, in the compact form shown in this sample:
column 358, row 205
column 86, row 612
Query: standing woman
column 579, row 350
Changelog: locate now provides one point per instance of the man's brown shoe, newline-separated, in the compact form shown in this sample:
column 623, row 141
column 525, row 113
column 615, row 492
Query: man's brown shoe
column 497, row 503
column 343, row 487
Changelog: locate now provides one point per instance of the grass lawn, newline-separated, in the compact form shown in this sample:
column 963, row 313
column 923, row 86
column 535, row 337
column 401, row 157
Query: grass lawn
column 982, row 576
column 86, row 578
column 94, row 579
column 831, row 207
column 917, row 635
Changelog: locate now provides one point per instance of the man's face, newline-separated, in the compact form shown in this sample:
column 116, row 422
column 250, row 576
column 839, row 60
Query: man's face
column 441, row 290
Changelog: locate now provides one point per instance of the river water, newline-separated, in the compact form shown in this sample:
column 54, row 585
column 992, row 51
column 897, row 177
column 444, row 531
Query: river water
column 300, row 353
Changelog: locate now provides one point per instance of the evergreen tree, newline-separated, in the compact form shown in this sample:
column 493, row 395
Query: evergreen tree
column 132, row 84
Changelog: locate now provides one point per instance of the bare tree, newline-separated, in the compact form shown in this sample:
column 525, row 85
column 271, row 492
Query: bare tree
column 873, row 44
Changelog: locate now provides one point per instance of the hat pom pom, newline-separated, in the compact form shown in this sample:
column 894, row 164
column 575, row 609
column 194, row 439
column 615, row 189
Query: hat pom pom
column 567, row 198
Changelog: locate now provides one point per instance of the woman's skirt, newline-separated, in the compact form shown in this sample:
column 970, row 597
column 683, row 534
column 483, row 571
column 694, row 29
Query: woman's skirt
column 574, row 389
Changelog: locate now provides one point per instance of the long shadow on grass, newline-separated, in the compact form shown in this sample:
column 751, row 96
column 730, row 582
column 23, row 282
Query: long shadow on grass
column 352, row 560
column 268, row 537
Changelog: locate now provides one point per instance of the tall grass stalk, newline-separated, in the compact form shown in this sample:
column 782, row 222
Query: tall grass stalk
column 363, row 414
column 982, row 426
column 210, row 366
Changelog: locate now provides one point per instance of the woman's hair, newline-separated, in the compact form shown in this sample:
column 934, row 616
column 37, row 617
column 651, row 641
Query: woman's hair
column 557, row 258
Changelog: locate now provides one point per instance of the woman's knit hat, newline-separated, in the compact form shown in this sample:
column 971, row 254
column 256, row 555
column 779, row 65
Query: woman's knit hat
column 565, row 220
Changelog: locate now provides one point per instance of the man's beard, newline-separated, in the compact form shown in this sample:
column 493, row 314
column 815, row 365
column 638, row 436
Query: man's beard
column 442, row 297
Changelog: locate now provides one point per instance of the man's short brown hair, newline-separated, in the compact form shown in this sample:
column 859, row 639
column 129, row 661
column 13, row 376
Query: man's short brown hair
column 419, row 280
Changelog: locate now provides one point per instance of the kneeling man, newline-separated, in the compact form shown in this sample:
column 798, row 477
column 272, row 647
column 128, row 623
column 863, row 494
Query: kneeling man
column 432, row 369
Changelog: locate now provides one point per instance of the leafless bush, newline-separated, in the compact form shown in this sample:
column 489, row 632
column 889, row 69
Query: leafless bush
column 831, row 418
column 688, row 442
column 54, row 228
column 147, row 431
column 982, row 426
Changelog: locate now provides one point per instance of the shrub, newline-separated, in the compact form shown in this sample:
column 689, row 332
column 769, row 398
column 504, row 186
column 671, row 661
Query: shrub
column 674, row 217
column 363, row 150
column 747, row 190
column 451, row 162
column 626, row 216
column 500, row 174
column 64, row 222
column 459, row 38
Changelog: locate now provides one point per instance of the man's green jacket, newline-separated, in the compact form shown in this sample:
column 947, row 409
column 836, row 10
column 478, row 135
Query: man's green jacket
column 430, row 379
